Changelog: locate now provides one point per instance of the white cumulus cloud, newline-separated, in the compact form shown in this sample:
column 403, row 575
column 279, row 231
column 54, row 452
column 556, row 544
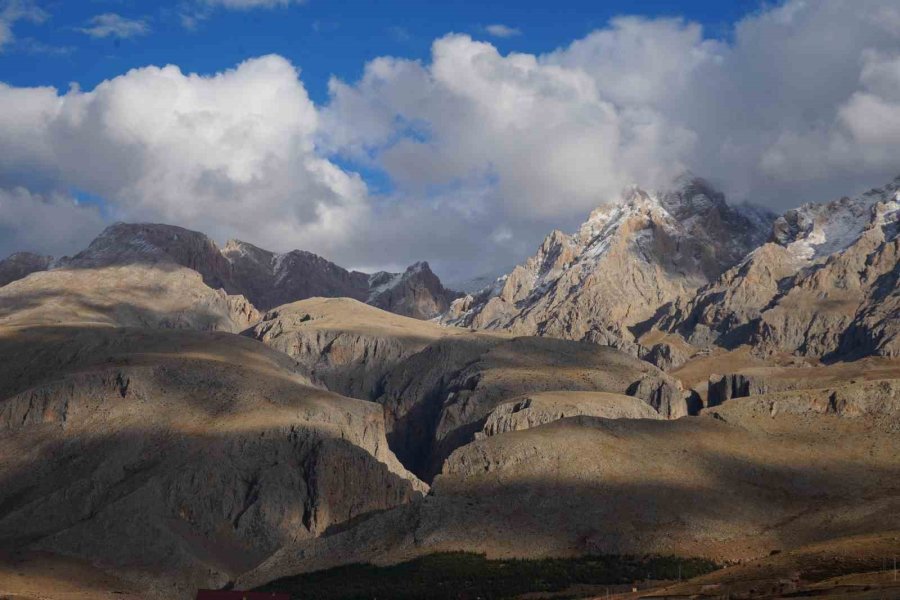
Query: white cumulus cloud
column 231, row 154
column 802, row 105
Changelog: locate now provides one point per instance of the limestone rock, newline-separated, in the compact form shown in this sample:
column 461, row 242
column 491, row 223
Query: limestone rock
column 663, row 394
column 666, row 355
column 734, row 385
column 731, row 485
column 436, row 400
column 437, row 384
column 345, row 344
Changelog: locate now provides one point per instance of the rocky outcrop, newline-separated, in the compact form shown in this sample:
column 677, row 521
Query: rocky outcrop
column 666, row 355
column 662, row 393
column 22, row 264
column 734, row 385
column 630, row 258
column 730, row 485
column 722, row 312
column 542, row 408
column 438, row 384
column 875, row 400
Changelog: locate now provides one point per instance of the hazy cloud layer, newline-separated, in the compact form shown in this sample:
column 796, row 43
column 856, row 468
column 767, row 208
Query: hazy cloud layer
column 115, row 26
column 485, row 152
column 502, row 31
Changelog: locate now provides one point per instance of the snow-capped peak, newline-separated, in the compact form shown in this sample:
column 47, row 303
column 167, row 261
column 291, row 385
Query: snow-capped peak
column 815, row 231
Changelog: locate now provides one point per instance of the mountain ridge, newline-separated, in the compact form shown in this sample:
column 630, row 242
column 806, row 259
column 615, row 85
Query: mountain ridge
column 267, row 279
column 625, row 261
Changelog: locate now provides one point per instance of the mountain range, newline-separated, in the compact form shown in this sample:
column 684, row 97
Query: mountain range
column 679, row 377
column 265, row 278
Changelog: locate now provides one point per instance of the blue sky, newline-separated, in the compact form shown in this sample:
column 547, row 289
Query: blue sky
column 457, row 132
column 322, row 37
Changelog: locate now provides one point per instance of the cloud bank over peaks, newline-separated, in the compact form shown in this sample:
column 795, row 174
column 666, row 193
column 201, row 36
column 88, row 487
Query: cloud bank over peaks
column 484, row 152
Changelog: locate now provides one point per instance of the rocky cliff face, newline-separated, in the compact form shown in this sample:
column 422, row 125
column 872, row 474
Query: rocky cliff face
column 629, row 259
column 825, row 286
column 345, row 344
column 22, row 264
column 538, row 409
column 436, row 400
column 735, row 483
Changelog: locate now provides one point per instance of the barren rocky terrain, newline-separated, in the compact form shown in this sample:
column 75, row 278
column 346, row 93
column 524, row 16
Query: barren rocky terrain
column 174, row 415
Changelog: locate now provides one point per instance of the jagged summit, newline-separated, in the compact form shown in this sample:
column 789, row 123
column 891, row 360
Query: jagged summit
column 628, row 258
column 824, row 286
column 416, row 292
column 813, row 231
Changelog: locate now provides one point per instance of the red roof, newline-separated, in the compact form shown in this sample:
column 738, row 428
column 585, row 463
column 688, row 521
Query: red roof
column 232, row 595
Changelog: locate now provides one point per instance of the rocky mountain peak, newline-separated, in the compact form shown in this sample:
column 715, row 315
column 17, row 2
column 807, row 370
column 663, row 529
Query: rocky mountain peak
column 625, row 261
column 815, row 231
column 825, row 286
column 417, row 292
column 154, row 243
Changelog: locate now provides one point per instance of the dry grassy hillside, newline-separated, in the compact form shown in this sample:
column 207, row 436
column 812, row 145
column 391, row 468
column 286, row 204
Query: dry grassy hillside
column 154, row 296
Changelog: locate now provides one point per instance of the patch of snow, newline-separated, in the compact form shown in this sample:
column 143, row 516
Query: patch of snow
column 394, row 281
